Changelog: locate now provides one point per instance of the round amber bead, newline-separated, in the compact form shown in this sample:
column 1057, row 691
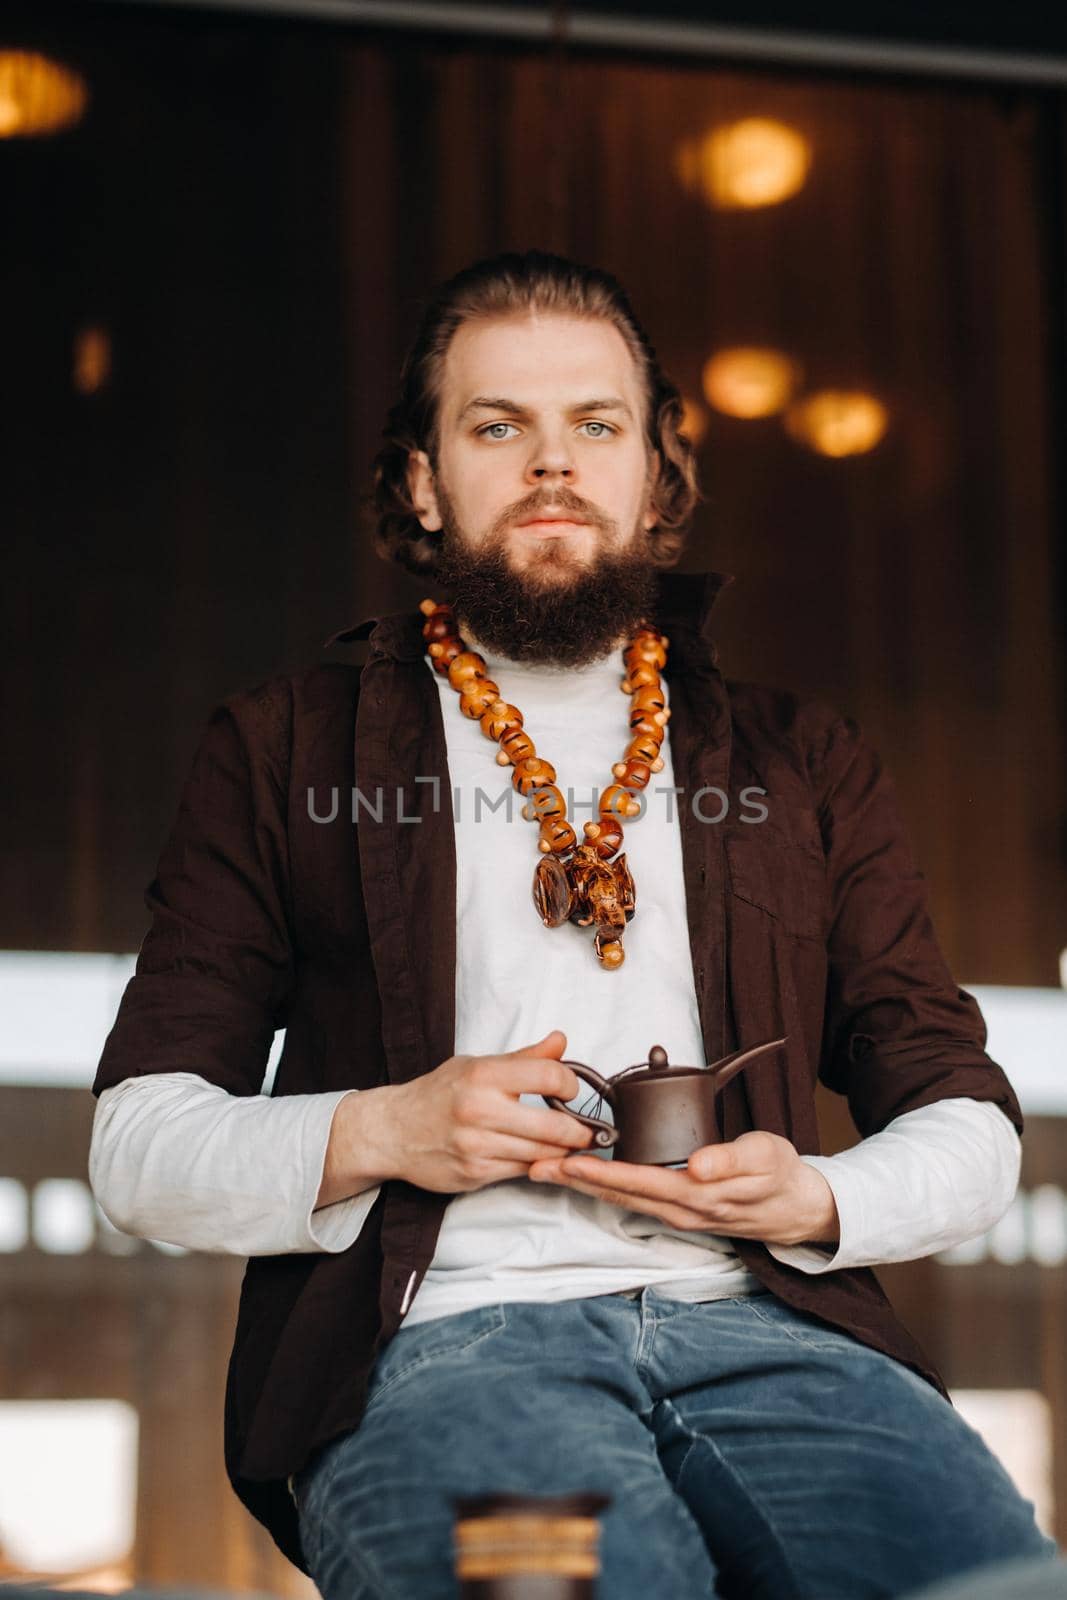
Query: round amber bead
column 517, row 745
column 605, row 836
column 499, row 718
column 611, row 952
column 557, row 836
column 533, row 773
column 546, row 801
column 643, row 676
column 650, row 698
column 632, row 774
column 646, row 647
column 441, row 625
column 645, row 748
column 479, row 693
column 443, row 652
column 617, row 801
column 466, row 665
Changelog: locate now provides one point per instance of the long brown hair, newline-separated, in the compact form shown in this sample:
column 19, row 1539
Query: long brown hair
column 504, row 285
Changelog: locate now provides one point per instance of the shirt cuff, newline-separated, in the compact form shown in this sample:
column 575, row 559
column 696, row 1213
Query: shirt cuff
column 931, row 1179
column 816, row 1258
column 827, row 1258
column 180, row 1160
column 335, row 1227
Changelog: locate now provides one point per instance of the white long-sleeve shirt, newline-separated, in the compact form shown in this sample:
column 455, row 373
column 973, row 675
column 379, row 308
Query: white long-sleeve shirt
column 178, row 1159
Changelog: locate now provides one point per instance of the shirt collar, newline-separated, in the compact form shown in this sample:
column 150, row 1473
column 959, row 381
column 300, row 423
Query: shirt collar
column 685, row 601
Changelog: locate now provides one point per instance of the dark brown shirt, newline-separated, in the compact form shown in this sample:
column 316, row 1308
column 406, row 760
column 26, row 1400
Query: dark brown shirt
column 812, row 924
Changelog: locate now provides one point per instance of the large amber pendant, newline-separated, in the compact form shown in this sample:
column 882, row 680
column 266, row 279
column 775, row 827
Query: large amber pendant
column 587, row 891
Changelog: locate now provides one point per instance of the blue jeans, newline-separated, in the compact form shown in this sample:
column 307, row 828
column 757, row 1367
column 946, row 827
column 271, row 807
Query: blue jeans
column 748, row 1449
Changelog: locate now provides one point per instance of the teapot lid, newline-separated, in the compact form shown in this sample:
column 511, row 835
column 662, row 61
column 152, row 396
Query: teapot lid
column 657, row 1066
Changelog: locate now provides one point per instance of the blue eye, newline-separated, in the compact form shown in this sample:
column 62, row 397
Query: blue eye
column 605, row 429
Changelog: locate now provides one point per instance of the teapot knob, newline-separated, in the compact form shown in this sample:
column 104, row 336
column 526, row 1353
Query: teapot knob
column 657, row 1058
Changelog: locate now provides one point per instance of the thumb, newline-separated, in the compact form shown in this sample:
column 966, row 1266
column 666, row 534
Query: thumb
column 552, row 1044
column 706, row 1163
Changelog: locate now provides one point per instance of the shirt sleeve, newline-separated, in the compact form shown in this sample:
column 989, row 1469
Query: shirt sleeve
column 180, row 1160
column 931, row 1179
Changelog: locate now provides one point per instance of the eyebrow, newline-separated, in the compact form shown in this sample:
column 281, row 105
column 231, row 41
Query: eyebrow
column 513, row 408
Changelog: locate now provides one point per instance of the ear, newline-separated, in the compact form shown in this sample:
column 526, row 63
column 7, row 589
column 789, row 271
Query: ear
column 650, row 518
column 421, row 489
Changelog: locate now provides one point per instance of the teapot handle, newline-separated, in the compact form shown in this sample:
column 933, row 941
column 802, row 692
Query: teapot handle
column 604, row 1134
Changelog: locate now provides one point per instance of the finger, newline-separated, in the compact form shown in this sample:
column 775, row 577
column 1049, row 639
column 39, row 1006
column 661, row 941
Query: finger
column 745, row 1222
column 673, row 1186
column 751, row 1153
column 500, row 1171
column 749, row 1191
column 749, row 1220
column 714, row 1162
column 532, row 1075
column 722, row 1202
column 506, row 1147
column 627, row 1177
column 554, row 1040
column 675, row 1216
column 546, row 1127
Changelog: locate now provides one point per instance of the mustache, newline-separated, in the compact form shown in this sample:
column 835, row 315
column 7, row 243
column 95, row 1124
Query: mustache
column 560, row 500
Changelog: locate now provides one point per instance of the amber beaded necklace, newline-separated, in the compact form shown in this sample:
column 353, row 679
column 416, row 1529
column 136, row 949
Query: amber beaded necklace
column 586, row 883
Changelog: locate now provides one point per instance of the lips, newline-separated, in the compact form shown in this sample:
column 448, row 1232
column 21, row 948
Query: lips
column 550, row 519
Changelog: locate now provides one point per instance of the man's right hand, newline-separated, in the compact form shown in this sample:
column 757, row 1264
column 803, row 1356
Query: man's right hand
column 457, row 1128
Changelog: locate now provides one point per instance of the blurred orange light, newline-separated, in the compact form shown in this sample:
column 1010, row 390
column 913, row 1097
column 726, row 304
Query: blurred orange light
column 838, row 422
column 92, row 359
column 744, row 165
column 38, row 95
column 694, row 420
column 750, row 381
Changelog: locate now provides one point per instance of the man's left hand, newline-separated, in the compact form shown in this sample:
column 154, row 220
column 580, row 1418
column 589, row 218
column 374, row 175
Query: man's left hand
column 755, row 1187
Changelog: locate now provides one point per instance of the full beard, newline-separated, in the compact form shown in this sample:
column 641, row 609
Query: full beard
column 556, row 612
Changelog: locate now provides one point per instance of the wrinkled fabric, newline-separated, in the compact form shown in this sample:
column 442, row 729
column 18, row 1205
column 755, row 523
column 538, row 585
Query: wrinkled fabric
column 273, row 908
column 747, row 1451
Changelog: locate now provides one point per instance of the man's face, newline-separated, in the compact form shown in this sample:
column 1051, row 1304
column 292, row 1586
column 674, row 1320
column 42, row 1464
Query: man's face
column 543, row 484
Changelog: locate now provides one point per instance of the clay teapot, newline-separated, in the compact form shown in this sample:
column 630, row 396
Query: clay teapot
column 662, row 1113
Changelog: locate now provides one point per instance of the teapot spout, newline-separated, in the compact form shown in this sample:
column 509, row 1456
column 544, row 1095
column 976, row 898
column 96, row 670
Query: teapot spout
column 728, row 1066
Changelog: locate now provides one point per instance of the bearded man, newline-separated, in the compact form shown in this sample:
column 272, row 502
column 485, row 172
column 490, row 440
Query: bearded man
column 448, row 1293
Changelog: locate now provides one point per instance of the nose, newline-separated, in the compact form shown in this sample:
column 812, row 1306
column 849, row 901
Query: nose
column 550, row 459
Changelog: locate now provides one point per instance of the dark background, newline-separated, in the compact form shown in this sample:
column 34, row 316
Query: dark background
column 254, row 210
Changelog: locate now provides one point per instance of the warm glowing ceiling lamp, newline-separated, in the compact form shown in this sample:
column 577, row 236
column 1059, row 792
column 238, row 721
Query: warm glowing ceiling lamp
column 694, row 422
column 838, row 422
column 750, row 381
column 746, row 164
column 38, row 95
column 92, row 359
